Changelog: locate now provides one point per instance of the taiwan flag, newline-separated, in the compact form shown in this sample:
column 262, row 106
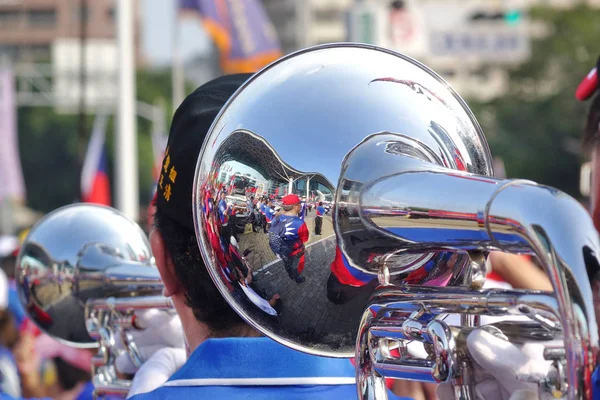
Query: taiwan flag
column 95, row 186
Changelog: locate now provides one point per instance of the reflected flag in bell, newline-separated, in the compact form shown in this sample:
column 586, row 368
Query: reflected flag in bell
column 159, row 145
column 95, row 186
column 241, row 30
column 11, row 175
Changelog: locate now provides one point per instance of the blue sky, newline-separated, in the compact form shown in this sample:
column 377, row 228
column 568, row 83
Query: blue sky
column 157, row 32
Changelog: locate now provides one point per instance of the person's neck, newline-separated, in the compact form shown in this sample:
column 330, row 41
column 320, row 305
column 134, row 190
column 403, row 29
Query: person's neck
column 197, row 333
column 241, row 330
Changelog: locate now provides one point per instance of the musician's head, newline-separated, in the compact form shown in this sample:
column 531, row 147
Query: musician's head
column 203, row 311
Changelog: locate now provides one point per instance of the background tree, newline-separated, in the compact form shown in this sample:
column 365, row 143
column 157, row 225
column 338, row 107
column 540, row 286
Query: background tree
column 536, row 127
column 47, row 143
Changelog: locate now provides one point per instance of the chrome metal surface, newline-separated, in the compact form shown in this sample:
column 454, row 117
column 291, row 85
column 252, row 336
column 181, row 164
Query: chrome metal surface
column 407, row 174
column 76, row 253
column 484, row 213
column 341, row 118
column 82, row 272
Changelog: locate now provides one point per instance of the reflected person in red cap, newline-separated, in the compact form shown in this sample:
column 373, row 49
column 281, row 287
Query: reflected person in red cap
column 287, row 236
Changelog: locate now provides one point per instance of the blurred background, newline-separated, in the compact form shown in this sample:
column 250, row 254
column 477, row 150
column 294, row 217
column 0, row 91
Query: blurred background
column 88, row 87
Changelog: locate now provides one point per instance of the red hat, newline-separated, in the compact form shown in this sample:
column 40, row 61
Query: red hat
column 588, row 85
column 290, row 200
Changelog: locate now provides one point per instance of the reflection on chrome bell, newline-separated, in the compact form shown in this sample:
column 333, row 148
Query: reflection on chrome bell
column 76, row 253
column 333, row 125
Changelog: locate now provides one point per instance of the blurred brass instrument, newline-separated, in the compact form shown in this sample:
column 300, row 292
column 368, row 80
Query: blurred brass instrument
column 82, row 272
column 415, row 209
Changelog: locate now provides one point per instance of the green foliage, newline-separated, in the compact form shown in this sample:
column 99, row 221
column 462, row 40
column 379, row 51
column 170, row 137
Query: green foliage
column 534, row 126
column 48, row 141
column 47, row 150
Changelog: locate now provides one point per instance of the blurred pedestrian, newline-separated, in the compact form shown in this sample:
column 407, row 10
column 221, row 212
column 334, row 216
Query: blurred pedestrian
column 319, row 218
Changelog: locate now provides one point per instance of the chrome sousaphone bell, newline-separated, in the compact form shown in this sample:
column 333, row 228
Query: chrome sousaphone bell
column 415, row 211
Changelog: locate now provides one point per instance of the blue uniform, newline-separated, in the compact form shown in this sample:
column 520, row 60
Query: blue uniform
column 14, row 304
column 269, row 213
column 596, row 384
column 223, row 212
column 257, row 368
column 295, row 235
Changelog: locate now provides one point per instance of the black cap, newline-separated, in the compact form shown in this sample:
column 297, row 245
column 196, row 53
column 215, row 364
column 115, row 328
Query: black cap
column 191, row 123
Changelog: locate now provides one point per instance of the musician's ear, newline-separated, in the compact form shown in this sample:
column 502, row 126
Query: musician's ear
column 164, row 262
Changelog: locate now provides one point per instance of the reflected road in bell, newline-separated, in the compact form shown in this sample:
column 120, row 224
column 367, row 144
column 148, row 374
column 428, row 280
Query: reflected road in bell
column 305, row 310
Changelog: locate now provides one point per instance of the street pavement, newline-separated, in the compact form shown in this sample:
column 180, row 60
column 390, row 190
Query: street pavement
column 306, row 311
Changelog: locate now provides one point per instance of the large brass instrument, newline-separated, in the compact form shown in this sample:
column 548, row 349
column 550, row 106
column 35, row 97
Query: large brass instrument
column 415, row 210
column 82, row 271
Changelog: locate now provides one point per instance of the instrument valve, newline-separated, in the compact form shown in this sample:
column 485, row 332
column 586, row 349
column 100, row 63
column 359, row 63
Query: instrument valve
column 555, row 381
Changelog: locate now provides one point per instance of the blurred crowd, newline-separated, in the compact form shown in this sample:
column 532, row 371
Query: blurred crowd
column 32, row 363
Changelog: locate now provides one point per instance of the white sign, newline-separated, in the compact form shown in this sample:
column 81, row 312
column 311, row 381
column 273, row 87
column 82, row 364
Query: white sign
column 407, row 32
column 492, row 45
column 455, row 34
column 101, row 69
column 11, row 174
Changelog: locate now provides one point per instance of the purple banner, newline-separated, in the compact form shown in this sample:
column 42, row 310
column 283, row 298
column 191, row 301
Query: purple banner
column 241, row 30
column 11, row 175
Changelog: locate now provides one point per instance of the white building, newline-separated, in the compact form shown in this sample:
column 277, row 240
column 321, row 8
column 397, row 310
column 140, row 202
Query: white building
column 304, row 23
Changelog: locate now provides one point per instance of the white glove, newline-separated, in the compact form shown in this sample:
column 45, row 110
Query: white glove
column 157, row 370
column 162, row 329
column 498, row 363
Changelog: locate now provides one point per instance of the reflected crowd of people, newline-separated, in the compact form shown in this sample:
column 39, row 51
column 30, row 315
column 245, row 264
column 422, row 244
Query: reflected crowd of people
column 223, row 216
column 229, row 215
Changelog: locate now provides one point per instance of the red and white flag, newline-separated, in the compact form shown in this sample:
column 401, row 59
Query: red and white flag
column 95, row 185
